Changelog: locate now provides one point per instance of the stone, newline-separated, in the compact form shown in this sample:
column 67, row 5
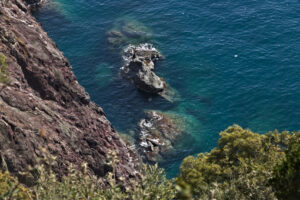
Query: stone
column 139, row 66
column 143, row 77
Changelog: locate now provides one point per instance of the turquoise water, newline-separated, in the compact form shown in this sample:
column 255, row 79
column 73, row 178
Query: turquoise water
column 230, row 62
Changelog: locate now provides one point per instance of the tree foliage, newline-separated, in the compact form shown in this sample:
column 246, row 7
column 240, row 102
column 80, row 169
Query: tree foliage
column 239, row 168
column 286, row 181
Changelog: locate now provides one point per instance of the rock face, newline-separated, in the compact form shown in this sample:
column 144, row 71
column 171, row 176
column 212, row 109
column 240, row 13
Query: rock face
column 43, row 106
column 139, row 68
column 158, row 133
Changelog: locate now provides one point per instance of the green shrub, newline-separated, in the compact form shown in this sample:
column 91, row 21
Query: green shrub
column 3, row 69
column 78, row 185
column 239, row 168
column 10, row 188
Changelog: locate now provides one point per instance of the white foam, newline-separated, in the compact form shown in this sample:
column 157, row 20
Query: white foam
column 129, row 50
column 147, row 124
column 156, row 116
column 144, row 144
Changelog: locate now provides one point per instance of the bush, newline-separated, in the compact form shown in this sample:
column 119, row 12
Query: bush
column 78, row 185
column 286, row 181
column 11, row 189
column 240, row 168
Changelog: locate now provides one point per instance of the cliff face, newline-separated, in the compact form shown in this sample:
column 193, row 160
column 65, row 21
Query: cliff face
column 43, row 106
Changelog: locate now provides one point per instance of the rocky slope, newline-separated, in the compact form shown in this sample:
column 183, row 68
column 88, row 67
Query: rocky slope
column 43, row 106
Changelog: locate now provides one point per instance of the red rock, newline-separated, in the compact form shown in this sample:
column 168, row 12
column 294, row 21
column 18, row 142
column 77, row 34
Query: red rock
column 43, row 96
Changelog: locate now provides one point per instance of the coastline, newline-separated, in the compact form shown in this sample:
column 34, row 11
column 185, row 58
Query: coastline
column 44, row 107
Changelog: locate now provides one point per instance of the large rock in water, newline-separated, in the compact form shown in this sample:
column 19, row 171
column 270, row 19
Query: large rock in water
column 44, row 107
column 139, row 68
column 158, row 133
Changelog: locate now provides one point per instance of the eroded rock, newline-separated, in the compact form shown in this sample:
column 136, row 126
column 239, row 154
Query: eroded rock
column 139, row 66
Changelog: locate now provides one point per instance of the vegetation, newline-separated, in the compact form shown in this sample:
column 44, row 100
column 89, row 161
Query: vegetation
column 3, row 69
column 245, row 165
column 240, row 168
column 286, row 181
column 79, row 185
column 11, row 189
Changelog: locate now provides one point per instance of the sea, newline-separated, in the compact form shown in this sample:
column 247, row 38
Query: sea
column 227, row 61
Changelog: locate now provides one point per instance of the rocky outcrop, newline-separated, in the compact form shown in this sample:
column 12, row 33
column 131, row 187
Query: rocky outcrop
column 157, row 135
column 35, row 4
column 139, row 68
column 42, row 107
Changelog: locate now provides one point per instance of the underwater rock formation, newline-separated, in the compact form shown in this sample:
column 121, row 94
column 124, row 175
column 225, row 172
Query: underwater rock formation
column 126, row 32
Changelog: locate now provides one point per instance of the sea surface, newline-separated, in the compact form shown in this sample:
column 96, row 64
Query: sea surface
column 229, row 61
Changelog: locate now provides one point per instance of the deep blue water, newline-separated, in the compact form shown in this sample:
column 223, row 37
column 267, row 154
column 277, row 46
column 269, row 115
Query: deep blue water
column 230, row 62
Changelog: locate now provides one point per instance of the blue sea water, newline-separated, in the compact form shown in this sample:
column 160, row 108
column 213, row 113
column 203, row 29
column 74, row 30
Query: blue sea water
column 231, row 62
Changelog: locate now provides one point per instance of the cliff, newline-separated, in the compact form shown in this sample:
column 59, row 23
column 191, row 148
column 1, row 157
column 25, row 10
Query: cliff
column 42, row 106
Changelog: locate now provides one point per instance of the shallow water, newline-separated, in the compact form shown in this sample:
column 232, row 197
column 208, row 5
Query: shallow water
column 230, row 62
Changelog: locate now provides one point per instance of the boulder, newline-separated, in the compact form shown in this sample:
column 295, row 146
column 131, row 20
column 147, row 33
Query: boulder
column 139, row 66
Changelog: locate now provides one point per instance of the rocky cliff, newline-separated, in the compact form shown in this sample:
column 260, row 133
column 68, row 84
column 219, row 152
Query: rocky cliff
column 42, row 106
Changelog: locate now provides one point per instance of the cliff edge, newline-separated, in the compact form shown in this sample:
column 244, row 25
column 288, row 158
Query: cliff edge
column 42, row 106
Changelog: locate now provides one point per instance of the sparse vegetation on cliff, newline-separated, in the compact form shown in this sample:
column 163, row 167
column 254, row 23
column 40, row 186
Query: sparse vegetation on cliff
column 3, row 69
column 245, row 165
column 79, row 185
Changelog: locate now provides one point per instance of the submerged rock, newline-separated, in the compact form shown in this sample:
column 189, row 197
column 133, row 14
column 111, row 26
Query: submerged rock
column 115, row 38
column 158, row 133
column 127, row 31
column 139, row 66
